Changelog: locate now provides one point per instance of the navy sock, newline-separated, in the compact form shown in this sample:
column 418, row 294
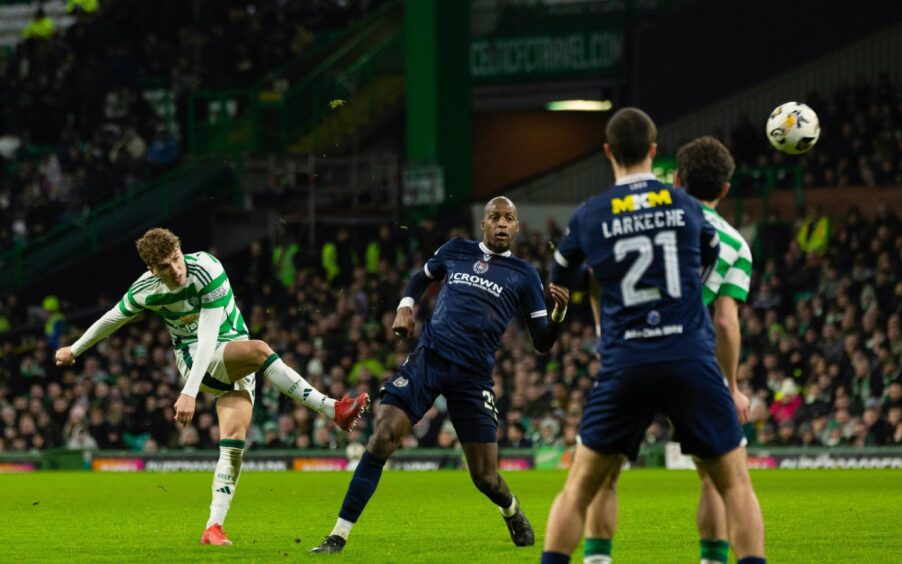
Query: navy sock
column 554, row 558
column 362, row 486
column 752, row 560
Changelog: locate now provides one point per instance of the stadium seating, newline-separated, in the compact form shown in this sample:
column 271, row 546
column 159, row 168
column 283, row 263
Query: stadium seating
column 101, row 106
column 821, row 343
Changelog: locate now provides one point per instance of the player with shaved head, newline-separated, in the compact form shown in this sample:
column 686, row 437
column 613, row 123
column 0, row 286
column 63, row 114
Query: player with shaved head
column 484, row 287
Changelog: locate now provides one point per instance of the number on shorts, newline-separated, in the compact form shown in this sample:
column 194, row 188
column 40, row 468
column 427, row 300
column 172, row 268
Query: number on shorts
column 490, row 403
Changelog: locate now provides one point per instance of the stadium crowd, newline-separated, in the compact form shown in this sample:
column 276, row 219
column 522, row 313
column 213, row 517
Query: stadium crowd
column 820, row 351
column 76, row 128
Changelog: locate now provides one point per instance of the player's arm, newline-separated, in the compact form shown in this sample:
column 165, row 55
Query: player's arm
column 726, row 328
column 214, row 297
column 433, row 270
column 126, row 310
column 207, row 331
column 544, row 334
column 710, row 246
column 566, row 269
column 594, row 300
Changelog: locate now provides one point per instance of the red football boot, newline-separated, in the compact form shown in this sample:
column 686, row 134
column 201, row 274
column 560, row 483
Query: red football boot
column 215, row 535
column 348, row 410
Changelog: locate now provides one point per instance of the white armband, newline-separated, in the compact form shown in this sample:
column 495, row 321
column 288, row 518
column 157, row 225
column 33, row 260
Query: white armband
column 406, row 301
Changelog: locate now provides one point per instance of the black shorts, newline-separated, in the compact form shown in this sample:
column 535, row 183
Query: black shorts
column 692, row 394
column 425, row 375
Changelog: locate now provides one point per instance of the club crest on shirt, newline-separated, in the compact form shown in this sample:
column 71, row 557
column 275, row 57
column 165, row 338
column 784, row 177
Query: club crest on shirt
column 653, row 318
column 480, row 267
column 400, row 382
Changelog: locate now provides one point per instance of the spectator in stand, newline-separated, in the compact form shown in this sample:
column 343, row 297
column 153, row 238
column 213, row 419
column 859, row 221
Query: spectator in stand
column 40, row 27
column 516, row 437
column 788, row 402
column 813, row 235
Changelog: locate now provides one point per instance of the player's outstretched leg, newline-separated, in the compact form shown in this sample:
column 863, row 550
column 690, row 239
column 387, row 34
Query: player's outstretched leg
column 392, row 425
column 712, row 522
column 745, row 526
column 246, row 357
column 482, row 460
column 234, row 411
column 601, row 522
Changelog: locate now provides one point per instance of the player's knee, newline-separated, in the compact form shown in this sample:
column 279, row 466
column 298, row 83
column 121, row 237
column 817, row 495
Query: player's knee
column 261, row 351
column 485, row 482
column 384, row 442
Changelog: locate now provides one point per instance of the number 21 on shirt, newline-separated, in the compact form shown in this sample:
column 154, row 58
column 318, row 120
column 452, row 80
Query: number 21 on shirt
column 645, row 247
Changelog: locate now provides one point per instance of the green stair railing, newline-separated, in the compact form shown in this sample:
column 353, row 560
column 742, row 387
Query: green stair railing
column 116, row 221
column 266, row 116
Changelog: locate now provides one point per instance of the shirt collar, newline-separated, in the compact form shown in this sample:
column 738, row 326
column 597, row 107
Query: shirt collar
column 630, row 178
column 489, row 251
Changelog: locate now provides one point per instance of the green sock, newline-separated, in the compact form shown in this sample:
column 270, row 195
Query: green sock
column 714, row 550
column 597, row 551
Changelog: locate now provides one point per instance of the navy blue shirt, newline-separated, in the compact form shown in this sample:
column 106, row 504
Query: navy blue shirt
column 646, row 243
column 482, row 292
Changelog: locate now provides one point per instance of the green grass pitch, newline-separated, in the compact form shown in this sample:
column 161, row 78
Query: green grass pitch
column 810, row 516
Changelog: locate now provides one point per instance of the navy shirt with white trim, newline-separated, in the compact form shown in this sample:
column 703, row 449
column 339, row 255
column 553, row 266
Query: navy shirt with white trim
column 483, row 290
column 649, row 246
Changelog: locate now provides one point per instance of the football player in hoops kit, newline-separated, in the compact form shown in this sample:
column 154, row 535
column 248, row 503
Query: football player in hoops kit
column 192, row 295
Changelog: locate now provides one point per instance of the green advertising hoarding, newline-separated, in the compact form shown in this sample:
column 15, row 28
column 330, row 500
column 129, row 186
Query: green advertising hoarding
column 573, row 53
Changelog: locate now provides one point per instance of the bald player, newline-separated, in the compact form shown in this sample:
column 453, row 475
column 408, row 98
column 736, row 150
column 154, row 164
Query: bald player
column 484, row 287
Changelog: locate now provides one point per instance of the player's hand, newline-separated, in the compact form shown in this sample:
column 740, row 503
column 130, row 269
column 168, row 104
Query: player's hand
column 184, row 410
column 403, row 325
column 64, row 357
column 561, row 297
column 742, row 405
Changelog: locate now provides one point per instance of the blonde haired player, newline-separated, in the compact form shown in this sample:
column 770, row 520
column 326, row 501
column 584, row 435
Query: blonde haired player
column 191, row 293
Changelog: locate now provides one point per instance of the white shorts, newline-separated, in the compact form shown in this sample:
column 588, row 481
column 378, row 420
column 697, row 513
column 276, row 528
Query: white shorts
column 216, row 379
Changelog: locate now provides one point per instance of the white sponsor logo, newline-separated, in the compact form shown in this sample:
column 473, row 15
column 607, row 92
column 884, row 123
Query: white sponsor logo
column 650, row 332
column 476, row 282
column 214, row 295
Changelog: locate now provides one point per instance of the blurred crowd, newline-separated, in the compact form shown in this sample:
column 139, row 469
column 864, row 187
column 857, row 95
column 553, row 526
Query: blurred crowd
column 860, row 142
column 76, row 128
column 820, row 357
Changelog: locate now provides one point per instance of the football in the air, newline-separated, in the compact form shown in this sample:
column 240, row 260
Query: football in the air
column 793, row 128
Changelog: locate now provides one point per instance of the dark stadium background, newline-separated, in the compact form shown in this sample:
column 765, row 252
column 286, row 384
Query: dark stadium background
column 309, row 126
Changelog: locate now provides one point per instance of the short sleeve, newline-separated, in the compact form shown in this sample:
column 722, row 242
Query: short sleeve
column 435, row 268
column 737, row 280
column 210, row 280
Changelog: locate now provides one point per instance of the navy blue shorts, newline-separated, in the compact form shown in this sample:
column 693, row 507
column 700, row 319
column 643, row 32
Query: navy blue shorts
column 692, row 394
column 425, row 375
